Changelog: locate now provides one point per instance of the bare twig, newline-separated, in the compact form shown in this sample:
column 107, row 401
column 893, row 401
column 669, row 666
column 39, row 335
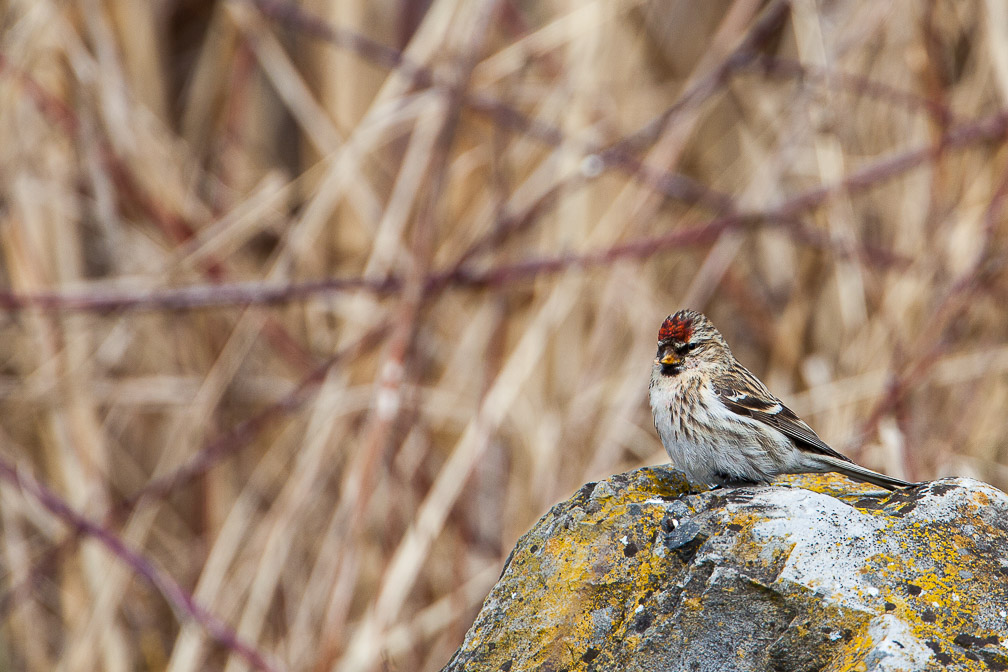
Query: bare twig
column 180, row 600
column 991, row 128
column 246, row 431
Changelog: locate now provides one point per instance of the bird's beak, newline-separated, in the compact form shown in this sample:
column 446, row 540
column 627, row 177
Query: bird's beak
column 670, row 359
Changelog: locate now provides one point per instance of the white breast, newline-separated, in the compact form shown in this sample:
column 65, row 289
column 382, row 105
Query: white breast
column 708, row 442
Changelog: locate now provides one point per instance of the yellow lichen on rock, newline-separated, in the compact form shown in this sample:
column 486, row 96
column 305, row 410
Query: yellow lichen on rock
column 641, row 572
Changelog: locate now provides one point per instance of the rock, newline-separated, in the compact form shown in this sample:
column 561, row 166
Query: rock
column 639, row 572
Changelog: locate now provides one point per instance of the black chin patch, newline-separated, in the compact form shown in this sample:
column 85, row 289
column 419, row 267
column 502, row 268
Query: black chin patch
column 670, row 369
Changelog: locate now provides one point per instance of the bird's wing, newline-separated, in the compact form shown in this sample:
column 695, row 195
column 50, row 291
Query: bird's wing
column 745, row 395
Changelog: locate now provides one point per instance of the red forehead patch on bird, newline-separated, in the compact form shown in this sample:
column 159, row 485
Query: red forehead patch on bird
column 676, row 327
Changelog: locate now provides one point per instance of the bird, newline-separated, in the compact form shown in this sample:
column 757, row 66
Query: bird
column 719, row 423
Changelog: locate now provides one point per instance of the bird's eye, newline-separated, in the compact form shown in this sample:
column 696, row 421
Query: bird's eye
column 692, row 346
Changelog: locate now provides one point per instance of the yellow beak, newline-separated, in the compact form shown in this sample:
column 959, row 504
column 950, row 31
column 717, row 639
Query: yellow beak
column 670, row 359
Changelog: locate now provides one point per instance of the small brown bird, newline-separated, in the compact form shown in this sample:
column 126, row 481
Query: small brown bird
column 721, row 425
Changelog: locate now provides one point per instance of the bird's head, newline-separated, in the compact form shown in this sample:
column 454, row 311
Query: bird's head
column 688, row 340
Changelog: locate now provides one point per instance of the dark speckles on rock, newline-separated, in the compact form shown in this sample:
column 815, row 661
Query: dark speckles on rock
column 942, row 488
column 507, row 562
column 638, row 573
column 685, row 532
column 995, row 661
column 940, row 655
column 600, row 493
column 870, row 503
column 602, row 490
column 715, row 499
column 969, row 641
column 906, row 508
column 642, row 621
column 907, row 495
column 677, row 510
column 739, row 495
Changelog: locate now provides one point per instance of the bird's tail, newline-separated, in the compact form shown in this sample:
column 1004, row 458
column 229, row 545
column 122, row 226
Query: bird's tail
column 859, row 473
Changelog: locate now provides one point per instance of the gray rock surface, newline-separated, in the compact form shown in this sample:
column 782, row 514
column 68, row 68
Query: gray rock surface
column 638, row 572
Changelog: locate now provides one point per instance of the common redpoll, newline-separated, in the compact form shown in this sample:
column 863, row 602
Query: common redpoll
column 721, row 425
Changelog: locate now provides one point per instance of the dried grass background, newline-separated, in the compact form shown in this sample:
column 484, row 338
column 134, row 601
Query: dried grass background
column 311, row 309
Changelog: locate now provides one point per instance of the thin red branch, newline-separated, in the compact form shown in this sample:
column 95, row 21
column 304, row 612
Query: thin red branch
column 993, row 128
column 177, row 228
column 181, row 600
column 54, row 109
column 779, row 66
column 762, row 31
column 620, row 155
column 46, row 564
column 254, row 293
column 246, row 431
column 192, row 297
column 935, row 341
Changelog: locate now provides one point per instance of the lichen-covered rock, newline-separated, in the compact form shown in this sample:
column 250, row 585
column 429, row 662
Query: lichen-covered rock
column 638, row 572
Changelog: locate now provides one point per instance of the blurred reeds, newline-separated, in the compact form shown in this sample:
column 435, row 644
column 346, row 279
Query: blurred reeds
column 311, row 309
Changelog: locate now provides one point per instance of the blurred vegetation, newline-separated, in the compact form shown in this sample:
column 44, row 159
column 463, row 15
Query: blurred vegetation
column 311, row 309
